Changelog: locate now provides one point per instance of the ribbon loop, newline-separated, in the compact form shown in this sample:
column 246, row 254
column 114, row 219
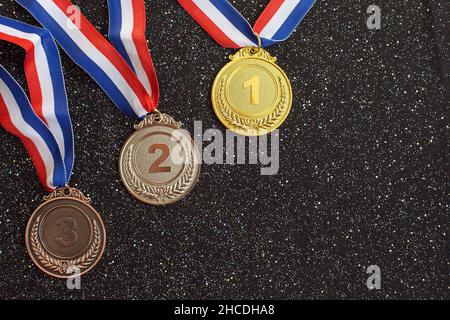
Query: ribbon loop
column 126, row 74
column 230, row 29
column 127, row 25
column 43, row 125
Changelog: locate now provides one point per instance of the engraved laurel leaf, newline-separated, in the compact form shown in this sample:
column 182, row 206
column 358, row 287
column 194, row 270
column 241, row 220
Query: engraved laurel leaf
column 162, row 194
column 65, row 267
column 265, row 123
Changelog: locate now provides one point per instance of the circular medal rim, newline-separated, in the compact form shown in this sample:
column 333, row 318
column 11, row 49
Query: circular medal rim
column 103, row 231
column 230, row 126
column 142, row 199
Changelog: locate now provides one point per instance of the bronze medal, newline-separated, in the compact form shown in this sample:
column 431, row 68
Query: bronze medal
column 65, row 236
column 159, row 164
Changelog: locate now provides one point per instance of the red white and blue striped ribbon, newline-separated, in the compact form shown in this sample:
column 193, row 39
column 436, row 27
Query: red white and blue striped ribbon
column 123, row 69
column 231, row 30
column 42, row 123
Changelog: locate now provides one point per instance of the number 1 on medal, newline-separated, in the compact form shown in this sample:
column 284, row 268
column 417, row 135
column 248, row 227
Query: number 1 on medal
column 253, row 83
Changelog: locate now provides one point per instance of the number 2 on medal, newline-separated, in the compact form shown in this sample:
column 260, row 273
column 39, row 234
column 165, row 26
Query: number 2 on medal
column 156, row 166
column 253, row 83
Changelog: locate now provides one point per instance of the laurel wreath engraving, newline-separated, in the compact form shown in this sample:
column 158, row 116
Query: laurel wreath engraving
column 163, row 194
column 65, row 267
column 251, row 125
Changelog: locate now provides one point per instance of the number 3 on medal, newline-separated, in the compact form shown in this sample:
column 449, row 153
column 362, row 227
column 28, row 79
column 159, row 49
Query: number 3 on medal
column 253, row 83
column 156, row 166
column 68, row 226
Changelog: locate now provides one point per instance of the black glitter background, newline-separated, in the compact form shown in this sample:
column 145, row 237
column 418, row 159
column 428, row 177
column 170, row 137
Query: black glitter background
column 363, row 176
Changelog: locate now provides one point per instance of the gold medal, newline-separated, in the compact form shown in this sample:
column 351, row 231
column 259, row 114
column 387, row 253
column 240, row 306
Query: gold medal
column 252, row 95
column 65, row 236
column 159, row 164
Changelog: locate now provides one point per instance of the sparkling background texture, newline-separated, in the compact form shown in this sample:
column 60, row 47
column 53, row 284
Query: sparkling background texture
column 363, row 176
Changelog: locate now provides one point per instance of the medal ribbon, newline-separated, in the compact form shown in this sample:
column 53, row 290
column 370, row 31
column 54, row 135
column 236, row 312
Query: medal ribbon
column 43, row 122
column 123, row 69
column 231, row 30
